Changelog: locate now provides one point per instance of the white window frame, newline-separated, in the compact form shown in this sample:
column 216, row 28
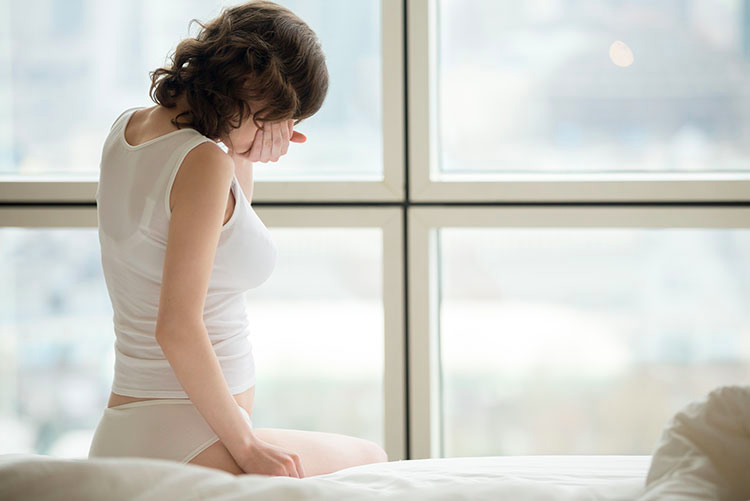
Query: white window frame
column 427, row 185
column 424, row 328
column 403, row 205
column 390, row 188
column 390, row 222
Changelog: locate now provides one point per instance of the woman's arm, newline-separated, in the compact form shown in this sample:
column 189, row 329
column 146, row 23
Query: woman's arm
column 200, row 191
column 193, row 360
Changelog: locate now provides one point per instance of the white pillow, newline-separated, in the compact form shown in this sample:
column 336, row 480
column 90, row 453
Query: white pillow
column 704, row 451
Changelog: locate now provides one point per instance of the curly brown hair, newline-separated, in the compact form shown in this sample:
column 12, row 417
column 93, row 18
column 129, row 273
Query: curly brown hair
column 258, row 51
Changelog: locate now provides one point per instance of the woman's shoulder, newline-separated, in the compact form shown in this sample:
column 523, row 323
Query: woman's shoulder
column 205, row 169
column 206, row 160
column 210, row 153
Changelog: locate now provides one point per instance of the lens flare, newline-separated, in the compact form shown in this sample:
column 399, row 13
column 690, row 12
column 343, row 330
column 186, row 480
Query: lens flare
column 620, row 54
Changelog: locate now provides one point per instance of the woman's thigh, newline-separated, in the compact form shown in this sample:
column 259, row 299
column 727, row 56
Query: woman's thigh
column 320, row 452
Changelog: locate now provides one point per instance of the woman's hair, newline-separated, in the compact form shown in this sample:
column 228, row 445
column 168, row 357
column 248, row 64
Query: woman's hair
column 258, row 51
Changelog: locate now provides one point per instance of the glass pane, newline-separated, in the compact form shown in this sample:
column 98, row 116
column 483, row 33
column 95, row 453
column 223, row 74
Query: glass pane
column 586, row 341
column 56, row 340
column 317, row 335
column 65, row 77
column 579, row 86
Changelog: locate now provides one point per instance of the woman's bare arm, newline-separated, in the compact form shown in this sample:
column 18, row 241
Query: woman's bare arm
column 200, row 192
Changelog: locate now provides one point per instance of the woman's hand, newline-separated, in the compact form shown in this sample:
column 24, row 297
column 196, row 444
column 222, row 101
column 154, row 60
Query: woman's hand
column 271, row 142
column 263, row 458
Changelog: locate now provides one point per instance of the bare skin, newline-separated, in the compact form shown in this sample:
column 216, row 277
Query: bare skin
column 319, row 452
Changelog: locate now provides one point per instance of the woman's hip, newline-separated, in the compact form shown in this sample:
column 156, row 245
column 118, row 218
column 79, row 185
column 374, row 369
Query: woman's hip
column 171, row 429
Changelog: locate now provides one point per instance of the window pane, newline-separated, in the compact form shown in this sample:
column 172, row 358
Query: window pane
column 316, row 330
column 569, row 86
column 56, row 340
column 319, row 333
column 586, row 341
column 66, row 76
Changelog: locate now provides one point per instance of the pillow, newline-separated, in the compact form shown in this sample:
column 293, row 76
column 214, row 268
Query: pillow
column 704, row 451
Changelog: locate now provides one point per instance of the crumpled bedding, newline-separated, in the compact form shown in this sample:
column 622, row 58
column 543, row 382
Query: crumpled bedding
column 704, row 451
column 29, row 476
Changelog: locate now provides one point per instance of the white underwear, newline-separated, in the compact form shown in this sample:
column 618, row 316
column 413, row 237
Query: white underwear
column 169, row 428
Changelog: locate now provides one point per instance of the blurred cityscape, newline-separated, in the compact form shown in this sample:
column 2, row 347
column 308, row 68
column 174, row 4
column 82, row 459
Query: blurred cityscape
column 586, row 341
column 65, row 77
column 530, row 87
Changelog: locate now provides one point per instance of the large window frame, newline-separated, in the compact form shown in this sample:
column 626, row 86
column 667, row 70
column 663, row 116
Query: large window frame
column 425, row 405
column 425, row 180
column 387, row 219
column 390, row 188
column 411, row 202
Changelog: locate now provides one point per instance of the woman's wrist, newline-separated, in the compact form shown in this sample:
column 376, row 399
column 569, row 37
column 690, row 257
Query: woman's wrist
column 242, row 442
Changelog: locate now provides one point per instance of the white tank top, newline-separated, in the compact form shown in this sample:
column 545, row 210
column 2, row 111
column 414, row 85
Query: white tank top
column 133, row 213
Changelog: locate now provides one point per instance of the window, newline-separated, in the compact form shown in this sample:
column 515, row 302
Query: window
column 582, row 87
column 57, row 336
column 51, row 144
column 497, row 216
column 73, row 89
column 538, row 149
column 601, row 332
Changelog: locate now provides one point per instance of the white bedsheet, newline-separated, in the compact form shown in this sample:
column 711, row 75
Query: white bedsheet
column 30, row 476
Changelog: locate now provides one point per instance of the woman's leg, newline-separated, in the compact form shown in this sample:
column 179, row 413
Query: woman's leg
column 320, row 452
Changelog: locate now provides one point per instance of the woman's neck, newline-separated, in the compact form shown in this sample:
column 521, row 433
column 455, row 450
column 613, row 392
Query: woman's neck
column 181, row 106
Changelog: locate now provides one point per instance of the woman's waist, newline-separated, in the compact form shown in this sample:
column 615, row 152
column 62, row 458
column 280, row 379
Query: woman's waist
column 229, row 341
column 244, row 399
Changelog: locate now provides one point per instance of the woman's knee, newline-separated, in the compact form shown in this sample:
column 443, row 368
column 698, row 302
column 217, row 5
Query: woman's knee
column 373, row 453
column 324, row 452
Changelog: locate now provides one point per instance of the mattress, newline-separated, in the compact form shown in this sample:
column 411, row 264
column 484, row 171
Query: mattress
column 31, row 476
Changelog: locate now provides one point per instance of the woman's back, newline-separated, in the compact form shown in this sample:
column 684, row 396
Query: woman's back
column 133, row 206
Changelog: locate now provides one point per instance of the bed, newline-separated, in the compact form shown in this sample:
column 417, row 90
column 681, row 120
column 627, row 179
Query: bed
column 31, row 476
column 703, row 454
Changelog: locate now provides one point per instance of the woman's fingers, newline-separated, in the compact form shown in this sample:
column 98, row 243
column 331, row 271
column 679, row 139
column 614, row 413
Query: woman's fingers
column 297, row 471
column 255, row 150
column 265, row 154
column 271, row 141
column 298, row 462
column 285, row 135
column 277, row 143
column 293, row 471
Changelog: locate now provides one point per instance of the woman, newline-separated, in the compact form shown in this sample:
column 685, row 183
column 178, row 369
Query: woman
column 181, row 244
